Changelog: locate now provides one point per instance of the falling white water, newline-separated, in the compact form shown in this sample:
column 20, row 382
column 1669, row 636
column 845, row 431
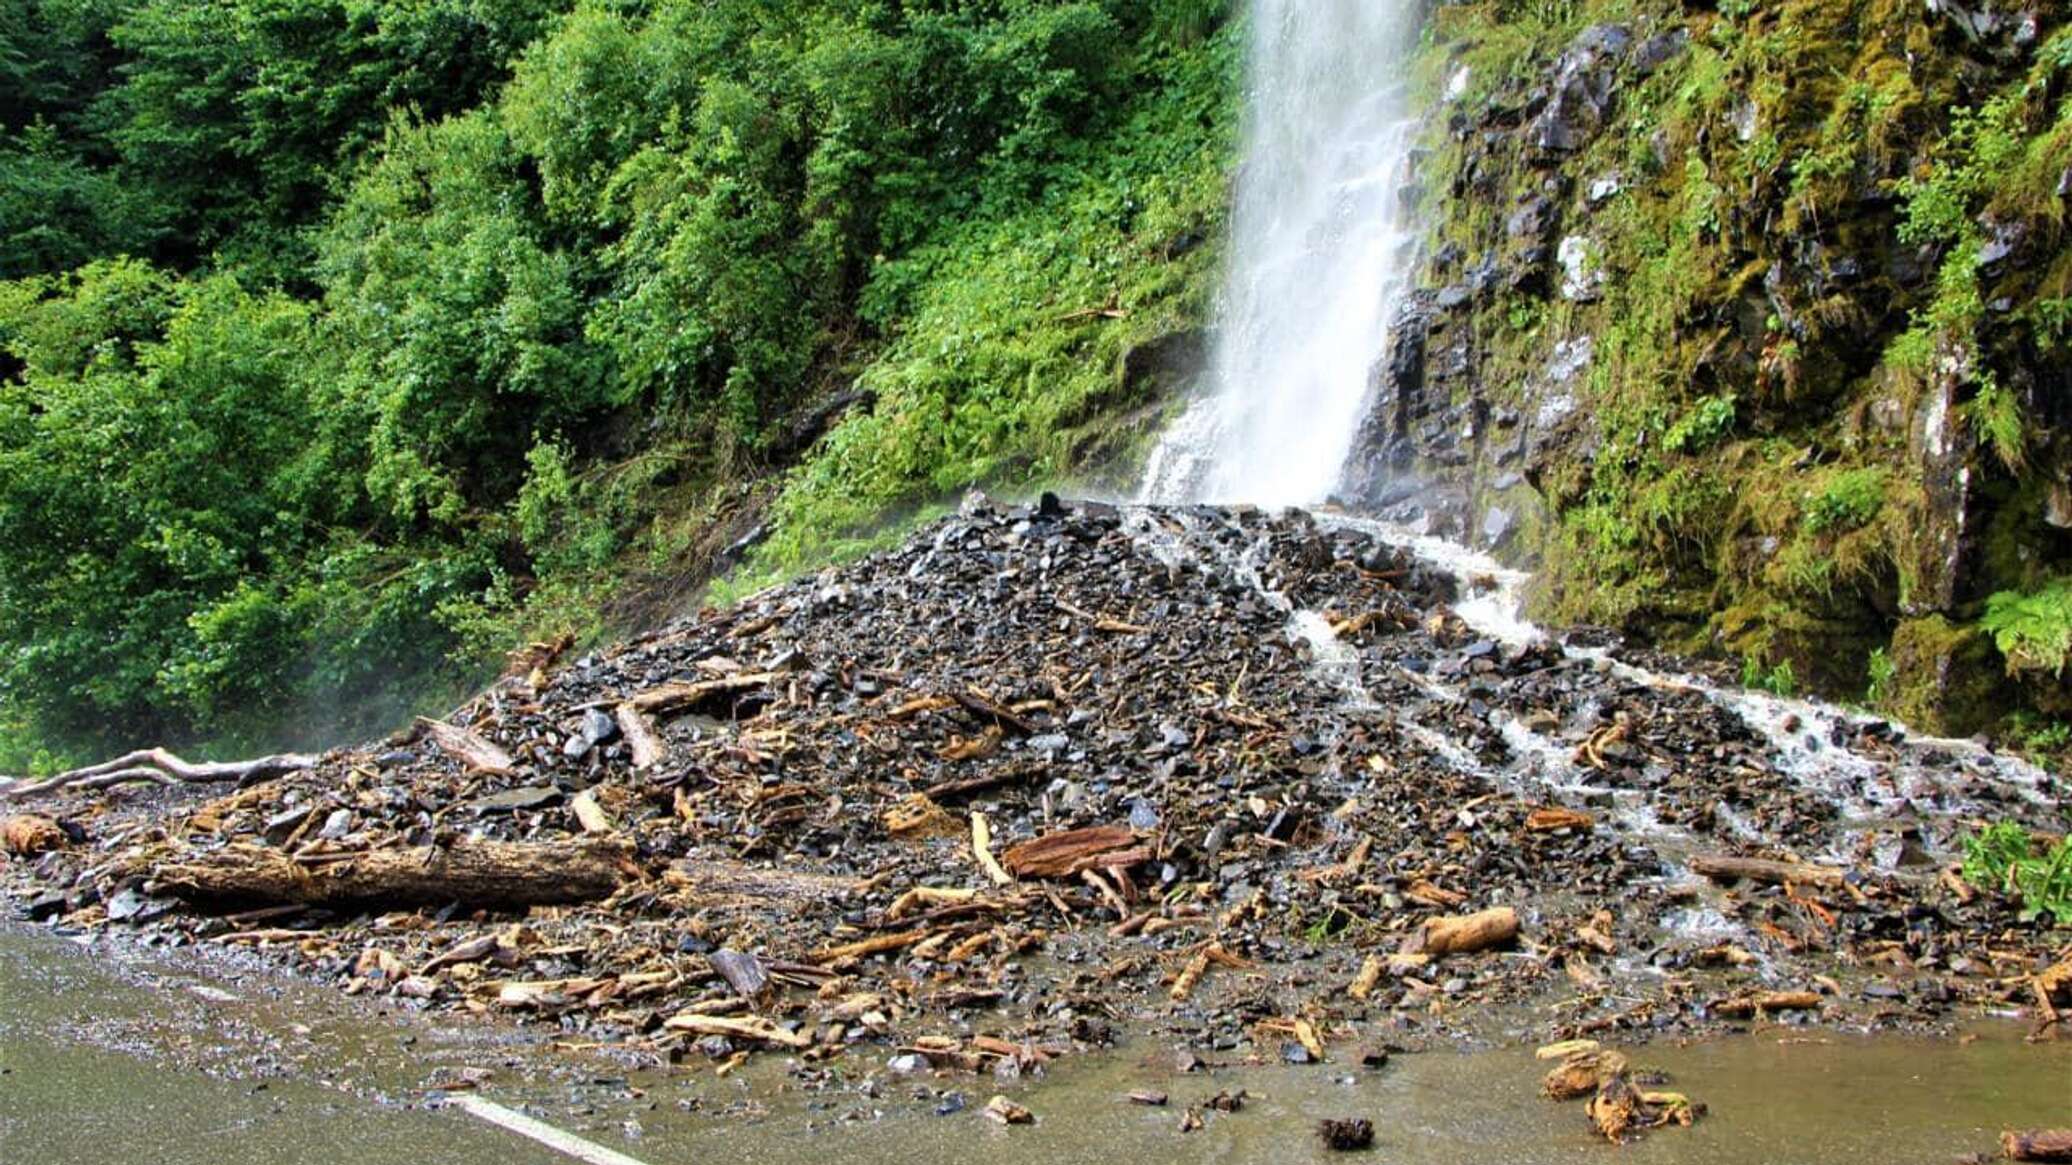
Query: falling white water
column 1319, row 252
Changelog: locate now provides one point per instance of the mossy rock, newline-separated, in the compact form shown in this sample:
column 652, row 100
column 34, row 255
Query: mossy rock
column 1951, row 681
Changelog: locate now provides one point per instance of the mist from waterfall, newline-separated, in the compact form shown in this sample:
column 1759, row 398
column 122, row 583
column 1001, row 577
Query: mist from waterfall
column 1319, row 255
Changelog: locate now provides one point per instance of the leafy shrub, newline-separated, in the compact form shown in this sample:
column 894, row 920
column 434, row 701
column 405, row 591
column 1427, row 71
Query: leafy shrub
column 2005, row 858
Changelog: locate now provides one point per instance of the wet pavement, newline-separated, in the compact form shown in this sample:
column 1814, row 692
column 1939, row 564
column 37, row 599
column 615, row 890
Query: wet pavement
column 112, row 1053
column 89, row 1075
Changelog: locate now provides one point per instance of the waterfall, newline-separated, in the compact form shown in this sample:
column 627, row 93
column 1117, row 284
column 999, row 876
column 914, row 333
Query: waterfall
column 1319, row 253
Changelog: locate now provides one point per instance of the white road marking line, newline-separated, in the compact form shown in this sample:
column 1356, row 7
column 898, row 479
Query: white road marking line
column 544, row 1133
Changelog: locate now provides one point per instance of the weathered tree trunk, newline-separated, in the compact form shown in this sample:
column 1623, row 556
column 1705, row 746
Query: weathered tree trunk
column 483, row 873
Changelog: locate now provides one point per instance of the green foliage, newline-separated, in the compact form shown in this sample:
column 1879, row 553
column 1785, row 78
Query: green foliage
column 2005, row 858
column 1884, row 678
column 1781, row 680
column 1996, row 414
column 2033, row 631
column 1848, row 500
column 1707, row 422
column 447, row 316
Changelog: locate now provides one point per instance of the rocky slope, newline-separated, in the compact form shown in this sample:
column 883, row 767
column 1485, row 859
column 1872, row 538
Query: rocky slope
column 1075, row 773
column 1749, row 323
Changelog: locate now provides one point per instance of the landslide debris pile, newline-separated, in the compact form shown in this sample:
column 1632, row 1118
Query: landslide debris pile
column 1062, row 773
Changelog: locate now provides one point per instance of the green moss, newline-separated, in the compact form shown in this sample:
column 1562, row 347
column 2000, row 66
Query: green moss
column 1947, row 677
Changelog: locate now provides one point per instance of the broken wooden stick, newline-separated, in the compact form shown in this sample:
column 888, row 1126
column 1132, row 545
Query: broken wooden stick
column 682, row 697
column 1464, row 933
column 982, row 849
column 478, row 754
column 159, row 766
column 1765, row 1001
column 1363, row 984
column 485, row 873
column 648, row 749
column 738, row 1027
column 1720, row 868
column 877, row 945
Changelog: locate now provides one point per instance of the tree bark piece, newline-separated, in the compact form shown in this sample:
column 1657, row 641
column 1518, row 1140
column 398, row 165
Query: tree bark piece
column 1555, row 818
column 1462, row 934
column 1066, row 853
column 479, row 755
column 159, row 766
column 673, row 698
column 2037, row 1145
column 487, row 873
column 648, row 749
column 27, row 834
column 1721, row 868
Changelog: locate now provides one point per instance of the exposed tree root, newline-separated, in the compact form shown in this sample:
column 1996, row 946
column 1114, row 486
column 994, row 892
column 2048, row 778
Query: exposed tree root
column 159, row 766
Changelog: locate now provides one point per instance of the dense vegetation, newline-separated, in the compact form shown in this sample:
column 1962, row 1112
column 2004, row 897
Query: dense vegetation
column 1814, row 252
column 344, row 343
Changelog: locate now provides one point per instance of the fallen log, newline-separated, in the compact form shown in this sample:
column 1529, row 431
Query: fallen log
column 2037, row 1145
column 159, row 766
column 480, row 873
column 1721, row 868
column 1464, row 933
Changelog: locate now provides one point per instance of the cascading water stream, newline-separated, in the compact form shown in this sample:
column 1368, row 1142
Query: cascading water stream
column 1319, row 254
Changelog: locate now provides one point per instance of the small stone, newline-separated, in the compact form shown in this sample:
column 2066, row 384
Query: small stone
column 1007, row 1112
column 513, row 800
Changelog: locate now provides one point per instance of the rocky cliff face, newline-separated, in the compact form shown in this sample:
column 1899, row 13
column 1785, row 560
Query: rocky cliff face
column 1749, row 324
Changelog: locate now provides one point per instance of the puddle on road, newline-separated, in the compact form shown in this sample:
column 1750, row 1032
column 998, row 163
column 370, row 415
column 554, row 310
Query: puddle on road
column 142, row 1058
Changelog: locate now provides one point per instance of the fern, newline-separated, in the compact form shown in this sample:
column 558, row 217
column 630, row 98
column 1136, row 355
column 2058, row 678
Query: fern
column 2034, row 631
column 1997, row 416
